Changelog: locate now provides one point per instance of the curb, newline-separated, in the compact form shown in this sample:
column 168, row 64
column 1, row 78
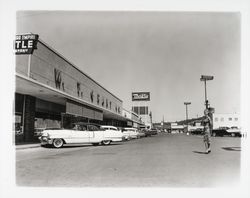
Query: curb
column 19, row 147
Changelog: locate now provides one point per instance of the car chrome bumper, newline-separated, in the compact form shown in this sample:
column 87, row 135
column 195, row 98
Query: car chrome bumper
column 120, row 139
column 45, row 140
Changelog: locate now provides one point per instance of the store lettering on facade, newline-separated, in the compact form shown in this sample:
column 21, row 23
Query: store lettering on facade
column 98, row 99
column 92, row 96
column 58, row 79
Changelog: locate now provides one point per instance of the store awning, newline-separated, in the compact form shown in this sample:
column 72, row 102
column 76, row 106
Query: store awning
column 83, row 110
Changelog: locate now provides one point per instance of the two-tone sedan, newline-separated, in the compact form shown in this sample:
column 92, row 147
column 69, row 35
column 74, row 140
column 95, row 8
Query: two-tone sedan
column 81, row 133
column 114, row 132
column 131, row 132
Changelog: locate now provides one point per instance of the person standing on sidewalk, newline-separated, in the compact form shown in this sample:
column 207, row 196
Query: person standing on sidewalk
column 207, row 135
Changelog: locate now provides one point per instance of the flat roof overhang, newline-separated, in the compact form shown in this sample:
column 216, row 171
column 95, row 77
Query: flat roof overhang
column 28, row 86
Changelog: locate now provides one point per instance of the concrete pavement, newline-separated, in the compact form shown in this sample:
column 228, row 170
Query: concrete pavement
column 165, row 160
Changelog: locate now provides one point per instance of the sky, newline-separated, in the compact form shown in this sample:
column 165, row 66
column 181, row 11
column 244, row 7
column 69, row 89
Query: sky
column 164, row 53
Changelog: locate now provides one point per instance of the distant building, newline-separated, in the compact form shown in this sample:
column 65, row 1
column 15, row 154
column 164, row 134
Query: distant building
column 226, row 120
column 165, row 126
column 144, row 114
column 175, row 128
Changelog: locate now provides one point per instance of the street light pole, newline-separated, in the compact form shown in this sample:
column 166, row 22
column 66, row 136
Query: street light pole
column 187, row 103
column 205, row 78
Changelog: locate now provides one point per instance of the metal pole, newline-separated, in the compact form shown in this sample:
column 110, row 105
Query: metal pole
column 205, row 90
column 205, row 78
column 186, row 113
column 206, row 101
column 187, row 119
column 187, row 103
column 29, row 65
column 23, row 118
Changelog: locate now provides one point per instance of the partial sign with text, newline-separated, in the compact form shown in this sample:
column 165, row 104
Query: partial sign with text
column 26, row 43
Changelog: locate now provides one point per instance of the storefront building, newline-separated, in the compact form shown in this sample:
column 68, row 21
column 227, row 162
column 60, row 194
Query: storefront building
column 51, row 92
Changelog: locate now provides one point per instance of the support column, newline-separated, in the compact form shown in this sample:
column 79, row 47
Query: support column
column 29, row 118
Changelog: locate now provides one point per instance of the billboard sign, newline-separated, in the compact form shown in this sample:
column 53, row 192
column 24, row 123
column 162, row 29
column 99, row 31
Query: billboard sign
column 140, row 96
column 203, row 78
column 25, row 43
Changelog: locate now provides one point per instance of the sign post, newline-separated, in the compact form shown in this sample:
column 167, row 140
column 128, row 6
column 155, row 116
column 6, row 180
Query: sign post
column 205, row 78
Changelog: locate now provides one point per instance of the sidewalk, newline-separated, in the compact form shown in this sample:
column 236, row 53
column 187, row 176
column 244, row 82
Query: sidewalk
column 27, row 145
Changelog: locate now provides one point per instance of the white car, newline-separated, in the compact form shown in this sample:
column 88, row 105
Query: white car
column 81, row 133
column 113, row 132
column 132, row 132
column 234, row 131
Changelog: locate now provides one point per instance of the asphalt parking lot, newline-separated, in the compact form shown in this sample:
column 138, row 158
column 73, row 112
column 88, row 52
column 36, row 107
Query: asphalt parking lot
column 164, row 160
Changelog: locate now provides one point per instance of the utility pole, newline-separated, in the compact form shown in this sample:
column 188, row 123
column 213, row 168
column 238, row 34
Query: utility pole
column 186, row 104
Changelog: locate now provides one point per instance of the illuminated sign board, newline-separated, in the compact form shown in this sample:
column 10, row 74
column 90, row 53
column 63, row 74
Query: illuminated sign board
column 140, row 96
column 25, row 43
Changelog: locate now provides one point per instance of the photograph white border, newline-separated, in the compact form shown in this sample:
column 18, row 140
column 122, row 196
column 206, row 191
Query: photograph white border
column 8, row 10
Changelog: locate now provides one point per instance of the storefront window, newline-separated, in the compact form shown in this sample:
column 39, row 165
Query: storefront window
column 18, row 128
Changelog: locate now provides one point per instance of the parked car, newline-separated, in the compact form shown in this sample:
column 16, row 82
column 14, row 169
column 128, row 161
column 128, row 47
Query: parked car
column 220, row 131
column 38, row 132
column 113, row 131
column 126, row 134
column 81, row 133
column 132, row 132
column 141, row 134
column 150, row 132
column 154, row 131
column 226, row 131
column 197, row 131
column 233, row 131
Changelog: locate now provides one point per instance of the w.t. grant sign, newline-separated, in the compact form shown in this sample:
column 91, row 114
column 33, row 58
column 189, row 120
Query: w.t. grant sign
column 25, row 43
column 140, row 96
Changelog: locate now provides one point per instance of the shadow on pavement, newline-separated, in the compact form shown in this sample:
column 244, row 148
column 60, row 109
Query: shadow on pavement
column 80, row 145
column 66, row 146
column 232, row 148
column 199, row 152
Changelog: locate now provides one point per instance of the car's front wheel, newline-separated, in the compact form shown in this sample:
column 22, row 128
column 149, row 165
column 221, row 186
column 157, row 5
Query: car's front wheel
column 106, row 142
column 58, row 143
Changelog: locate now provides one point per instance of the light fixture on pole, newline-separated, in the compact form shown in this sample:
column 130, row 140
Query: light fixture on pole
column 187, row 103
column 205, row 78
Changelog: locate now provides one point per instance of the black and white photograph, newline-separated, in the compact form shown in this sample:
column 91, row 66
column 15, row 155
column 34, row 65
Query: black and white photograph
column 128, row 99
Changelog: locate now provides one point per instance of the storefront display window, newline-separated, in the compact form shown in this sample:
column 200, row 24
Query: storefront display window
column 18, row 128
